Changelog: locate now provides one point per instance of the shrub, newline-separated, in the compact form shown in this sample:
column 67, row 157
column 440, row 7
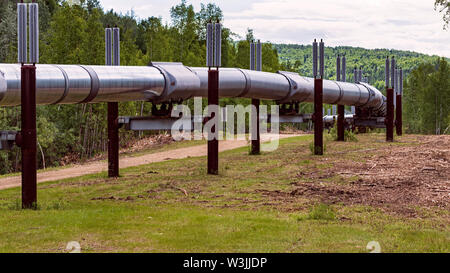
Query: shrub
column 348, row 135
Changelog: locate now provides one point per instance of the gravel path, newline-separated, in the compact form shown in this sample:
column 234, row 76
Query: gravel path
column 100, row 166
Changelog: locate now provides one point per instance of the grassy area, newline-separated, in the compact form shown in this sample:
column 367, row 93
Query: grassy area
column 173, row 206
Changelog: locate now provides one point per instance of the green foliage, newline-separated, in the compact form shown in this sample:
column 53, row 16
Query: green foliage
column 348, row 135
column 74, row 34
column 426, row 98
column 298, row 58
column 443, row 6
column 426, row 80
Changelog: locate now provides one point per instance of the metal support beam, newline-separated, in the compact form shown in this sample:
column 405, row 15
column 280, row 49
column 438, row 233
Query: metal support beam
column 341, row 108
column 27, row 139
column 155, row 123
column 28, row 136
column 22, row 22
column 213, row 142
column 390, row 81
column 213, row 95
column 315, row 56
column 318, row 117
column 393, row 75
column 390, row 115
column 318, row 98
column 113, row 139
column 398, row 115
column 255, row 64
column 33, row 32
column 112, row 55
column 7, row 140
column 341, row 123
column 399, row 118
column 256, row 146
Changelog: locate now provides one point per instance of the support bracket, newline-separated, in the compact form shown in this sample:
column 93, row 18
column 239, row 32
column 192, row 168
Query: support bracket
column 7, row 140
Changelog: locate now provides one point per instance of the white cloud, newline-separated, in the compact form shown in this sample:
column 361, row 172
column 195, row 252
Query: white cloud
column 401, row 24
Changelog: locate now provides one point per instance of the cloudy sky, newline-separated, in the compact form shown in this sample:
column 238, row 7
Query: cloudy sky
column 400, row 24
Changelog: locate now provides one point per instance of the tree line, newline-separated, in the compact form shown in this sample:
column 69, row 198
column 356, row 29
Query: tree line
column 427, row 99
column 426, row 80
column 74, row 34
column 298, row 58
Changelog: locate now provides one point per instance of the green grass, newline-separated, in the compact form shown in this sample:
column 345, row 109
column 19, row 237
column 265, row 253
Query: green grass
column 147, row 209
column 320, row 212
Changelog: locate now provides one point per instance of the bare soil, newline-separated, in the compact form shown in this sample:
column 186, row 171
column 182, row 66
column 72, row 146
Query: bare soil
column 395, row 178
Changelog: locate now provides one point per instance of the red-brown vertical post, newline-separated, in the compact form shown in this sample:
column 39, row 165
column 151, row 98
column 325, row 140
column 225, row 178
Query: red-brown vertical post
column 255, row 64
column 213, row 142
column 113, row 139
column 398, row 115
column 256, row 147
column 390, row 115
column 318, row 116
column 112, row 54
column 341, row 123
column 340, row 108
column 318, row 96
column 28, row 133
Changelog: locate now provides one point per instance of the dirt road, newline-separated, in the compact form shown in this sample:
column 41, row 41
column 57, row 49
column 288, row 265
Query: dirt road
column 100, row 166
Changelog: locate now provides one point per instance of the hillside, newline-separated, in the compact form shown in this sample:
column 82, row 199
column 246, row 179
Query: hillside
column 298, row 58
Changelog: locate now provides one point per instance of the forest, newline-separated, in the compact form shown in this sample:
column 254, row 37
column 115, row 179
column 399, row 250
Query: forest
column 372, row 61
column 74, row 34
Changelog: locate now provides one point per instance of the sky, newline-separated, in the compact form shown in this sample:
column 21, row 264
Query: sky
column 395, row 24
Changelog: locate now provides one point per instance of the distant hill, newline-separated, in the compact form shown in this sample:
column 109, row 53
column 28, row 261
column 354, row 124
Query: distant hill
column 298, row 58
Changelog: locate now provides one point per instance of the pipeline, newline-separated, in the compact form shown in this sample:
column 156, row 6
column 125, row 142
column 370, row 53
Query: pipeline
column 174, row 82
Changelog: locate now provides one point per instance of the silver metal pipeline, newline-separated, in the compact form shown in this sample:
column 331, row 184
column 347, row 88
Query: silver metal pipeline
column 71, row 84
column 165, row 82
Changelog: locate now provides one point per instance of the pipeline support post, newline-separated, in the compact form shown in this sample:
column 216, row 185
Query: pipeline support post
column 340, row 108
column 341, row 123
column 213, row 102
column 398, row 109
column 390, row 73
column 28, row 136
column 213, row 59
column 398, row 115
column 256, row 138
column 318, row 116
column 318, row 97
column 390, row 115
column 255, row 64
column 112, row 55
column 113, row 139
column 27, row 139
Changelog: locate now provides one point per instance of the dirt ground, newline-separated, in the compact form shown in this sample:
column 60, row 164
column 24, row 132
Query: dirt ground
column 99, row 166
column 396, row 178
